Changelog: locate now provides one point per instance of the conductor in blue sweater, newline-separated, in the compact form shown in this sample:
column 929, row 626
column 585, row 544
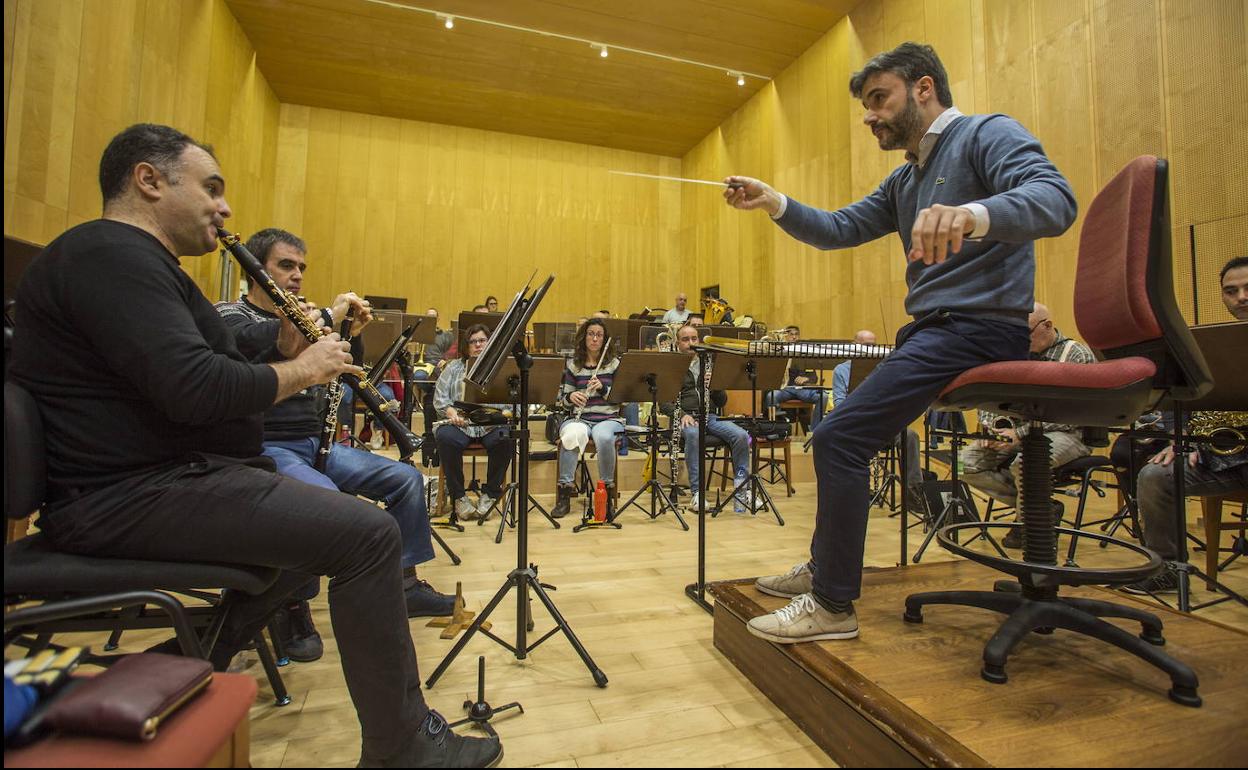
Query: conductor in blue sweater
column 974, row 194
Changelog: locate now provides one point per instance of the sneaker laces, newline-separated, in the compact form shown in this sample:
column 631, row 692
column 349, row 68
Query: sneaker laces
column 436, row 727
column 799, row 569
column 801, row 605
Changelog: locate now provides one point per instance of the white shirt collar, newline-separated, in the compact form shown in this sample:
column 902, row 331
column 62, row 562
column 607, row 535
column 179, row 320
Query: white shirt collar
column 928, row 141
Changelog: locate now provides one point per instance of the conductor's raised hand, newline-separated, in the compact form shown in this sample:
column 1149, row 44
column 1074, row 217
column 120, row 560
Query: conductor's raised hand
column 747, row 193
column 938, row 231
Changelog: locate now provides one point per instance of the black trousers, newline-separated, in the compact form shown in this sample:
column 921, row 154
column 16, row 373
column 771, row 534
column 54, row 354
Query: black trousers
column 229, row 510
column 451, row 445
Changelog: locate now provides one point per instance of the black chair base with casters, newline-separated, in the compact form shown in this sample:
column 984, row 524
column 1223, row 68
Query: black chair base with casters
column 1036, row 604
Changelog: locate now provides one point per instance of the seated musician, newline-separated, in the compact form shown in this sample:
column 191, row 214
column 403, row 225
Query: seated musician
column 159, row 458
column 587, row 380
column 915, row 500
column 996, row 466
column 1205, row 474
column 678, row 313
column 731, row 434
column 292, row 433
column 456, row 432
column 491, row 304
column 797, row 389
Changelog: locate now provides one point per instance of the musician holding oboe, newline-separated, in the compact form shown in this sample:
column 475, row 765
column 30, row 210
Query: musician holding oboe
column 153, row 423
column 974, row 193
column 456, row 432
column 587, row 380
column 293, row 433
column 736, row 438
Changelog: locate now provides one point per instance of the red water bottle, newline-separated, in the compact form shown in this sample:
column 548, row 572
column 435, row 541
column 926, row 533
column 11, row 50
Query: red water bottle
column 600, row 502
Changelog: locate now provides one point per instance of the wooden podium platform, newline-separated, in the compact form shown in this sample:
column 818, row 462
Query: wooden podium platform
column 910, row 695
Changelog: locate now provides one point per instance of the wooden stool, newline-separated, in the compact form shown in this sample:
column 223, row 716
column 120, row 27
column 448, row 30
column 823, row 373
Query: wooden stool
column 769, row 468
column 474, row 449
column 798, row 408
column 1214, row 527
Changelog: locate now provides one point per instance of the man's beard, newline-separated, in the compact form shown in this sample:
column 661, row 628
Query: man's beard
column 901, row 128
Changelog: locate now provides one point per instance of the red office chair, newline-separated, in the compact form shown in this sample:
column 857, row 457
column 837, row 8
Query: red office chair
column 1125, row 308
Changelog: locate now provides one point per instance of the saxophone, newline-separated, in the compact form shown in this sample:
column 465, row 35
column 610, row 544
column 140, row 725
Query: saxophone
column 1226, row 433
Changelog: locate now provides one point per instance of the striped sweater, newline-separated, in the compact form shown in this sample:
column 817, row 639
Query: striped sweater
column 596, row 409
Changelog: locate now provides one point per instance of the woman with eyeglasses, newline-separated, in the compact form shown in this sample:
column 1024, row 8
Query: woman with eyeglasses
column 587, row 380
column 456, row 432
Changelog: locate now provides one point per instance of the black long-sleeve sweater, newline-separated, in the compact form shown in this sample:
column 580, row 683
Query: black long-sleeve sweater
column 131, row 366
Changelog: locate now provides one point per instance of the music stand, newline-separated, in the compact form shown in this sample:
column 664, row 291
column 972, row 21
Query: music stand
column 509, row 341
column 545, row 377
column 426, row 333
column 744, row 372
column 654, row 377
column 1224, row 349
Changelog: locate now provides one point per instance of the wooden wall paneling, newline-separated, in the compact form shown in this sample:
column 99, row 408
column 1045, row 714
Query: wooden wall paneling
column 951, row 31
column 1216, row 243
column 1206, row 66
column 1127, row 84
column 1064, row 117
column 903, row 20
column 193, row 66
column 10, row 35
column 290, row 171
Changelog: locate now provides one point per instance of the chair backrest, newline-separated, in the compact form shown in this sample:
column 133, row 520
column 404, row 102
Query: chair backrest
column 25, row 464
column 1124, row 286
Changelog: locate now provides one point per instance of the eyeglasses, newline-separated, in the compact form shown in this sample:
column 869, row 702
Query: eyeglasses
column 1041, row 323
column 478, row 340
column 594, row 335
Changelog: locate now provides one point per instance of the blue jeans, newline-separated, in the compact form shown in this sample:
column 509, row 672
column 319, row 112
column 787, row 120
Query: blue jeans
column 632, row 416
column 603, row 434
column 930, row 353
column 400, row 487
column 737, row 439
column 814, row 396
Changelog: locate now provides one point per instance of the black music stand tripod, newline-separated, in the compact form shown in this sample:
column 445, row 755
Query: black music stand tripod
column 543, row 388
column 738, row 372
column 957, row 508
column 509, row 337
column 662, row 375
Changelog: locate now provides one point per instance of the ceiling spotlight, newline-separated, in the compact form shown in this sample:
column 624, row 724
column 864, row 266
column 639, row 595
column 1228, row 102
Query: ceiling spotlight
column 740, row 77
column 447, row 20
column 602, row 49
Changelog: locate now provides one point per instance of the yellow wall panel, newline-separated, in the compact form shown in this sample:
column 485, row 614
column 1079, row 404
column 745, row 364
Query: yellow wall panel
column 79, row 71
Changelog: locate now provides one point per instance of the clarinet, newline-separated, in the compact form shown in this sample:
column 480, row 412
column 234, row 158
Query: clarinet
column 333, row 399
column 288, row 306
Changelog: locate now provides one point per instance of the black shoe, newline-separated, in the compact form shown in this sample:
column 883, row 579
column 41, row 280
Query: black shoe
column 915, row 503
column 434, row 745
column 1164, row 582
column 1013, row 538
column 563, row 501
column 297, row 636
column 424, row 602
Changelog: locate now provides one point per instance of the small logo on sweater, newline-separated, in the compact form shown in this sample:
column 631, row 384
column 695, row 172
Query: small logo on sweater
column 940, row 180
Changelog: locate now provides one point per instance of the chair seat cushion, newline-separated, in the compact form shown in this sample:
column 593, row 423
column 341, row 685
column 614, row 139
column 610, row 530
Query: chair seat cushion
column 33, row 568
column 1106, row 393
column 1077, row 466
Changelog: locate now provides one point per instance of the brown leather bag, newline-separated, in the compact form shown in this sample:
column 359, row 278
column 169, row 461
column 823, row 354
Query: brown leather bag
column 132, row 697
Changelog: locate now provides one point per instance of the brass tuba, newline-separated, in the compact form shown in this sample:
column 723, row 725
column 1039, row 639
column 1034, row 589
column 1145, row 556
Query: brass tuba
column 1226, row 431
column 713, row 310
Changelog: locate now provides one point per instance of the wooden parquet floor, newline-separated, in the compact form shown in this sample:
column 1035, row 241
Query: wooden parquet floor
column 673, row 700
